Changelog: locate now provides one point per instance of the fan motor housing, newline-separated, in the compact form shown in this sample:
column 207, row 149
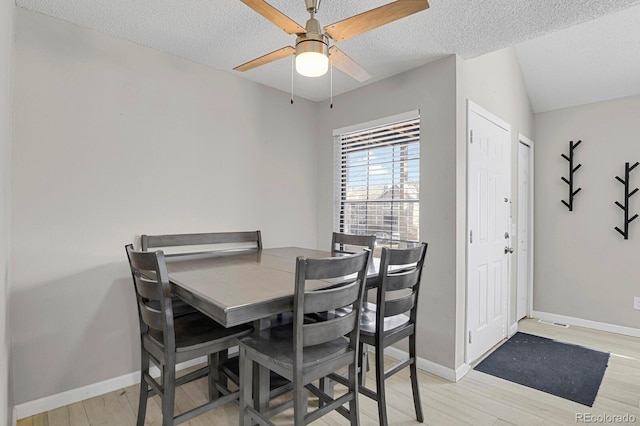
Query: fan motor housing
column 310, row 42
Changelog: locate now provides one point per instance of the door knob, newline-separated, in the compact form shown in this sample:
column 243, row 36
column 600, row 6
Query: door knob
column 508, row 250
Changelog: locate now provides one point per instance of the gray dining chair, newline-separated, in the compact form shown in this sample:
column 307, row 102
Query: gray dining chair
column 210, row 242
column 395, row 320
column 166, row 340
column 304, row 352
column 342, row 243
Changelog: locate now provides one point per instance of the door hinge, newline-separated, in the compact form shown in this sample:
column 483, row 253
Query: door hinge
column 471, row 136
column 469, row 336
column 471, row 236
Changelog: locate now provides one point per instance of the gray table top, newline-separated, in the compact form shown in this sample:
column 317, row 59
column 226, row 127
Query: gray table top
column 243, row 286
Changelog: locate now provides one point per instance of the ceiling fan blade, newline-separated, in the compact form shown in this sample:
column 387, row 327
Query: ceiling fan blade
column 374, row 18
column 275, row 16
column 345, row 64
column 269, row 57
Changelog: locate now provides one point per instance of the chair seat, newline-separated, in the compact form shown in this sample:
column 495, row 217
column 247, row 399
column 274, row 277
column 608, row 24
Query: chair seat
column 367, row 318
column 195, row 332
column 368, row 312
column 277, row 344
column 368, row 328
column 180, row 307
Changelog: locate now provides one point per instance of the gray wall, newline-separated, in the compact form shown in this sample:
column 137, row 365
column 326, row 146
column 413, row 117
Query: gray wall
column 431, row 89
column 439, row 90
column 113, row 140
column 584, row 268
column 6, row 47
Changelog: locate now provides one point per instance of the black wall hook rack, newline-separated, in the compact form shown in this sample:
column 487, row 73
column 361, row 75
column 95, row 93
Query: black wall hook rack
column 572, row 170
column 627, row 195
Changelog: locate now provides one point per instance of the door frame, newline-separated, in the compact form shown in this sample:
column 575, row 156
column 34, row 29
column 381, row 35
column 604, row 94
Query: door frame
column 472, row 106
column 523, row 140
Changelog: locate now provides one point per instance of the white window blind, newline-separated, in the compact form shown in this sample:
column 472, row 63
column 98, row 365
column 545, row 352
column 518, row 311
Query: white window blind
column 377, row 179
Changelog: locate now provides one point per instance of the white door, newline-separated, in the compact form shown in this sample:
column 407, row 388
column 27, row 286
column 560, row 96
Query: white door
column 488, row 201
column 525, row 222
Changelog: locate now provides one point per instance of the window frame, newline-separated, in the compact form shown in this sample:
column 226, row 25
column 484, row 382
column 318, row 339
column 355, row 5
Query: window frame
column 339, row 196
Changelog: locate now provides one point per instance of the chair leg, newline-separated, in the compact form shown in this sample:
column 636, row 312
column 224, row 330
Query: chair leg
column 213, row 377
column 300, row 402
column 246, row 385
column 261, row 386
column 169, row 394
column 364, row 364
column 414, row 379
column 380, row 390
column 354, row 409
column 223, row 356
column 144, row 388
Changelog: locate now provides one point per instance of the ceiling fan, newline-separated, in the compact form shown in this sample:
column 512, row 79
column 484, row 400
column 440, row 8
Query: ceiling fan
column 312, row 49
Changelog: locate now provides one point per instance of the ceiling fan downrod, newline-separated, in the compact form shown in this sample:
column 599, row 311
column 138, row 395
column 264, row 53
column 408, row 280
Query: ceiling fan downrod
column 312, row 47
column 312, row 6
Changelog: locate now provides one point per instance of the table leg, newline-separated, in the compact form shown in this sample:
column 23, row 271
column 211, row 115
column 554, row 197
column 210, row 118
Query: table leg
column 260, row 387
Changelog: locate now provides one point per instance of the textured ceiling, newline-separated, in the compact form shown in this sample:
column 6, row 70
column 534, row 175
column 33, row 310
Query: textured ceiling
column 593, row 61
column 225, row 33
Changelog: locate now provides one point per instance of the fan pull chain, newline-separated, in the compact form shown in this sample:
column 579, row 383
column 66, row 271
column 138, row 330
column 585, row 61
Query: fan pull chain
column 292, row 65
column 331, row 82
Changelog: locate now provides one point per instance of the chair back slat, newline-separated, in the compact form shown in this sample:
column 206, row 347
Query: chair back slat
column 141, row 263
column 400, row 276
column 405, row 256
column 325, row 331
column 204, row 239
column 400, row 305
column 401, row 280
column 342, row 243
column 148, row 289
column 331, row 298
column 347, row 292
column 332, row 267
column 151, row 317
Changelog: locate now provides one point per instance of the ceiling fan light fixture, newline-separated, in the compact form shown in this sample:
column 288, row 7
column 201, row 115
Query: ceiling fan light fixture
column 312, row 55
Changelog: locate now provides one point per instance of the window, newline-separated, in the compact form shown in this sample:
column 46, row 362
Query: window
column 377, row 180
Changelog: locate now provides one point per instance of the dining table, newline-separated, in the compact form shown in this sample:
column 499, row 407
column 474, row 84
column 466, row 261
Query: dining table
column 246, row 286
column 241, row 286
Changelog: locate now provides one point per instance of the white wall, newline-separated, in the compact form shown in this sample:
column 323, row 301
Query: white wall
column 6, row 47
column 584, row 269
column 431, row 89
column 493, row 81
column 113, row 140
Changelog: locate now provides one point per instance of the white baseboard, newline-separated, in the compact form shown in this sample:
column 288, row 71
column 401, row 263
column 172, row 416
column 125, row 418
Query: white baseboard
column 579, row 322
column 52, row 402
column 429, row 366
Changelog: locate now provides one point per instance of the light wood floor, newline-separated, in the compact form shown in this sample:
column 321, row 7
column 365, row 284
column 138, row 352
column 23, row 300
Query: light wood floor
column 477, row 399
